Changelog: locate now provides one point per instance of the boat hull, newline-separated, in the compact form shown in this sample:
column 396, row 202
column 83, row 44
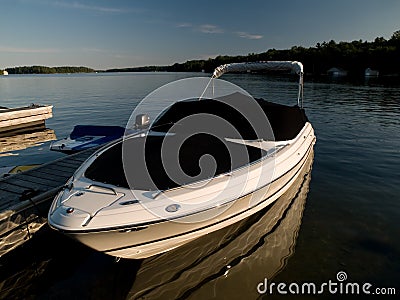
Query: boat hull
column 146, row 240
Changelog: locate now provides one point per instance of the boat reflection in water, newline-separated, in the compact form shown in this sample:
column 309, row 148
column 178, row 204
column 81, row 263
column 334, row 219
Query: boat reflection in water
column 17, row 227
column 17, row 142
column 231, row 262
column 228, row 263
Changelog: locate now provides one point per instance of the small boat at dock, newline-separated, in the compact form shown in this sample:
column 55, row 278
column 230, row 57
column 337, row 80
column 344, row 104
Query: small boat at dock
column 84, row 137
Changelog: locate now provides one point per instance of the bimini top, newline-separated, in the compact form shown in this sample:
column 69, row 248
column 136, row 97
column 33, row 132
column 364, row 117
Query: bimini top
column 265, row 65
column 259, row 66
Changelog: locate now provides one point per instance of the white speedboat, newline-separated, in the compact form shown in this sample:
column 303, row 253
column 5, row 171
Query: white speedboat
column 201, row 166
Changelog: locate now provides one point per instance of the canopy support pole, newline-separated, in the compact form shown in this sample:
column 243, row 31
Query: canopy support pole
column 300, row 94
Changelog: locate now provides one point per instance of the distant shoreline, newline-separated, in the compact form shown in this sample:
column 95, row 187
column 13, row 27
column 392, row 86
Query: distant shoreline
column 48, row 70
column 353, row 59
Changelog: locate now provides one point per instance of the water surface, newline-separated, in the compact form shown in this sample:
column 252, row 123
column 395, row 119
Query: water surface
column 348, row 220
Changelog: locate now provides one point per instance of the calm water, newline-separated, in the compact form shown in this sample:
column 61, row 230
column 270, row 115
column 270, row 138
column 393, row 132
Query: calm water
column 344, row 219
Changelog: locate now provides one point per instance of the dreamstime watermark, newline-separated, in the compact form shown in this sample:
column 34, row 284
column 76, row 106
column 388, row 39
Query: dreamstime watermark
column 339, row 286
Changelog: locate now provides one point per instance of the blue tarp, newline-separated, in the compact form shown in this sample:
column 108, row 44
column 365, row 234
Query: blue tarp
column 93, row 130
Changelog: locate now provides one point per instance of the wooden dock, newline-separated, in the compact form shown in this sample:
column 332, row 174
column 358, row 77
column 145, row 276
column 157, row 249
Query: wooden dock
column 26, row 197
column 23, row 119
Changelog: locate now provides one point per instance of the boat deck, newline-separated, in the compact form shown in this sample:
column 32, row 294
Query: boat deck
column 26, row 197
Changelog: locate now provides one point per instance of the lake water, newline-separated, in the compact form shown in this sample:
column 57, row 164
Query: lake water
column 343, row 217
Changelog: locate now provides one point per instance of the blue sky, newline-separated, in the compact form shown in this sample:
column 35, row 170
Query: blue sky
column 105, row 34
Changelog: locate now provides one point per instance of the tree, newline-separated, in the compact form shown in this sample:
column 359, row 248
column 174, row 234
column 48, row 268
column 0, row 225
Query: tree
column 396, row 35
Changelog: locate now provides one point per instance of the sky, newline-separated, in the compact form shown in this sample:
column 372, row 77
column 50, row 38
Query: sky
column 104, row 34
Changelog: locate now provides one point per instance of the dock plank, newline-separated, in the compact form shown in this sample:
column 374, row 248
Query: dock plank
column 7, row 198
column 70, row 164
column 80, row 158
column 53, row 182
column 4, row 193
column 62, row 169
column 44, row 172
column 16, row 188
column 24, row 183
column 45, row 177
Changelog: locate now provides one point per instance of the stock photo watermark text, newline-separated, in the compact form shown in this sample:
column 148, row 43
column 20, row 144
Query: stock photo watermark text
column 339, row 286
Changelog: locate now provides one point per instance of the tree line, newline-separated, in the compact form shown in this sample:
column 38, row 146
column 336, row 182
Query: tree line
column 48, row 70
column 381, row 54
column 354, row 57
